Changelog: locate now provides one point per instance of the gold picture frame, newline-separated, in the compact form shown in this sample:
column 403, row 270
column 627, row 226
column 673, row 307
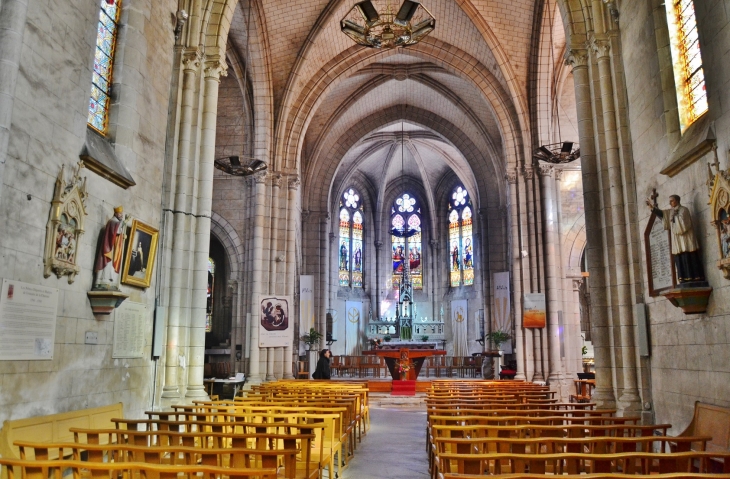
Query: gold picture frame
column 141, row 253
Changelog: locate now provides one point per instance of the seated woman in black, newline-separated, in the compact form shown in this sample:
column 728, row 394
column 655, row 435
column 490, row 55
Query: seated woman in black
column 323, row 365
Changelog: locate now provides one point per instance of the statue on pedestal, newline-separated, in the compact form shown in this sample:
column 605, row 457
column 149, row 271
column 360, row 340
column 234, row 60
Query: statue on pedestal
column 686, row 251
column 111, row 250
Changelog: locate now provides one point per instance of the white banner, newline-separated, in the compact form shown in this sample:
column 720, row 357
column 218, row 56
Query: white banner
column 458, row 326
column 352, row 328
column 275, row 329
column 501, row 318
column 306, row 303
column 27, row 321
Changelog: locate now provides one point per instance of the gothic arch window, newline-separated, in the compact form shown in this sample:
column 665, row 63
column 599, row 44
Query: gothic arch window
column 461, row 247
column 350, row 251
column 106, row 42
column 405, row 224
column 689, row 76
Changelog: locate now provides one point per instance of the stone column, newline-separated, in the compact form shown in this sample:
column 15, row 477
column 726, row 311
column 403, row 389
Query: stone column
column 550, row 246
column 291, row 265
column 434, row 275
column 576, row 283
column 259, row 183
column 623, row 305
column 531, row 268
column 178, row 289
column 378, row 279
column 516, row 264
column 214, row 68
column 603, row 394
column 324, row 244
column 13, row 15
column 275, row 355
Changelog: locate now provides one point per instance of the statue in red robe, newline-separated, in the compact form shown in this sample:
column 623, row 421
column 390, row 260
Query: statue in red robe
column 109, row 259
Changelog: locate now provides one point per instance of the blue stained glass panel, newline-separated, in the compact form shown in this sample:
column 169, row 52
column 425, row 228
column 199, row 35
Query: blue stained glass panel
column 103, row 59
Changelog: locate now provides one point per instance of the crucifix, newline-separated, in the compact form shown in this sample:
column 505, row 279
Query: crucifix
column 654, row 196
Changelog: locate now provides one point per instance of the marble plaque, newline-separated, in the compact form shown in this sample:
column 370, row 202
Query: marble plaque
column 27, row 321
column 659, row 261
column 130, row 321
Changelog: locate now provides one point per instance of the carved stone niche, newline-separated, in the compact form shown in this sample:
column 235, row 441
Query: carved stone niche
column 65, row 226
column 720, row 207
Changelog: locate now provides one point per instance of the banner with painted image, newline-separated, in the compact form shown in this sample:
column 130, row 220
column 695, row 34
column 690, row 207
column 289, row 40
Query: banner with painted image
column 501, row 318
column 534, row 316
column 306, row 302
column 352, row 328
column 459, row 326
column 275, row 328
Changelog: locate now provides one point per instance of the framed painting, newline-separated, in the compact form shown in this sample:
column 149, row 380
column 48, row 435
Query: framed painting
column 141, row 253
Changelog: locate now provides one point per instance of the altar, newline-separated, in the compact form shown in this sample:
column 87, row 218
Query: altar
column 404, row 363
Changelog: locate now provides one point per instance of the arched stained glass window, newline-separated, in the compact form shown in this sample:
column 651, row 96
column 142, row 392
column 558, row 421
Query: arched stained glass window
column 351, row 239
column 405, row 223
column 209, row 296
column 106, row 41
column 461, row 247
column 689, row 76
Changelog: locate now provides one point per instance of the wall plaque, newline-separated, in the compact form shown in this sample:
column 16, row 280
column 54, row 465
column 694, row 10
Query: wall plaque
column 659, row 260
column 130, row 324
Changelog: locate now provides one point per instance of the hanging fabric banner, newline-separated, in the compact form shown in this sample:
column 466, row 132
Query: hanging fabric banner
column 534, row 316
column 275, row 329
column 458, row 326
column 501, row 319
column 352, row 328
column 306, row 303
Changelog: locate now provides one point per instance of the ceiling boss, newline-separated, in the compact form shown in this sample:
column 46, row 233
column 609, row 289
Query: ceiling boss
column 368, row 28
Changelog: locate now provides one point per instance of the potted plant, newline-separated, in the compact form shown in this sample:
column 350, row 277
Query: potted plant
column 424, row 338
column 497, row 337
column 386, row 338
column 312, row 338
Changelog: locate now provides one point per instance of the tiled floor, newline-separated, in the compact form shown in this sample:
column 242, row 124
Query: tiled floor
column 395, row 446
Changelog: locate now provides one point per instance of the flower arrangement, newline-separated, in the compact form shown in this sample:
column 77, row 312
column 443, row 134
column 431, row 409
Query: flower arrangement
column 403, row 366
column 375, row 343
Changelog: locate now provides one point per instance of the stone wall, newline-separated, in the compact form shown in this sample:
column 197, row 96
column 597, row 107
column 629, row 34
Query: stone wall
column 48, row 131
column 689, row 354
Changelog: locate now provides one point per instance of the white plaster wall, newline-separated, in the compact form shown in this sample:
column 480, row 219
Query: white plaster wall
column 48, row 130
column 690, row 356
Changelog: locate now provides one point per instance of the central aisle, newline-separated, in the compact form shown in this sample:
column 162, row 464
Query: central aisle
column 394, row 448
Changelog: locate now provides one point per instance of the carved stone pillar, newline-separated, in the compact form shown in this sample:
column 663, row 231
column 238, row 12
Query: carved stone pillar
column 531, row 269
column 177, row 311
column 511, row 178
column 325, row 251
column 291, row 265
column 259, row 183
column 603, row 394
column 214, row 68
column 378, row 280
column 275, row 368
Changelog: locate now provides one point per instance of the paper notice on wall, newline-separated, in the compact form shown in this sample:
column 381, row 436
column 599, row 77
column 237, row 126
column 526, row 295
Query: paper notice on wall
column 275, row 328
column 27, row 321
column 130, row 324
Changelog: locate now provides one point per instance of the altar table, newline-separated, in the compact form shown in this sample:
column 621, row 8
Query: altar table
column 412, row 357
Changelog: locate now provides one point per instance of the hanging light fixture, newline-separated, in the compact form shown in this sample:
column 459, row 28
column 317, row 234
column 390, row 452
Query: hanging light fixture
column 232, row 165
column 565, row 151
column 366, row 27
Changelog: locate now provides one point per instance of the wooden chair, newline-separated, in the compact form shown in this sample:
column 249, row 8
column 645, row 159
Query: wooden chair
column 302, row 371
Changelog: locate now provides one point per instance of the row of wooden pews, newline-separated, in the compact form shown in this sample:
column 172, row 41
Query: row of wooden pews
column 516, row 429
column 288, row 429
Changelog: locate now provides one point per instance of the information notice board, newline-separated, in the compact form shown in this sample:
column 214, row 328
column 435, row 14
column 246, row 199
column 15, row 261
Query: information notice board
column 130, row 323
column 27, row 321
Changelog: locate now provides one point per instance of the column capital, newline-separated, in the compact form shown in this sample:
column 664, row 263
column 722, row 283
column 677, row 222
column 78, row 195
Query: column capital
column 259, row 178
column 558, row 173
column 294, row 182
column 332, row 237
column 215, row 67
column 601, row 47
column 576, row 58
column 276, row 180
column 528, row 172
column 434, row 243
column 545, row 170
column 577, row 283
column 191, row 60
column 511, row 176
column 378, row 244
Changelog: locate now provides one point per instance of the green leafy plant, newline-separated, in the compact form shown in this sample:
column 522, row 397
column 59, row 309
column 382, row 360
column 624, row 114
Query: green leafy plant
column 312, row 338
column 584, row 350
column 497, row 337
column 387, row 338
column 424, row 338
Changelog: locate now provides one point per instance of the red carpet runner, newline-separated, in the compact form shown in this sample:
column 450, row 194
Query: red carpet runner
column 403, row 388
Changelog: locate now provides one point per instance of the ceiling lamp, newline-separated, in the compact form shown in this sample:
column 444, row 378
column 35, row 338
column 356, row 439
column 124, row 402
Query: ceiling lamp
column 557, row 153
column 232, row 165
column 370, row 29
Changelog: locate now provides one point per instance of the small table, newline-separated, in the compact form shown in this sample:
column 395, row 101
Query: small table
column 210, row 385
column 583, row 390
column 415, row 357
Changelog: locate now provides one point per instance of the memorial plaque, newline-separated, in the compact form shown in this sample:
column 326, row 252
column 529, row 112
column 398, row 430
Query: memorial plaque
column 659, row 259
column 27, row 321
column 130, row 323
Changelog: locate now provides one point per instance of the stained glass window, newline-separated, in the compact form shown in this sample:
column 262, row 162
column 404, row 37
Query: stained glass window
column 209, row 296
column 405, row 222
column 106, row 39
column 461, row 247
column 350, row 252
column 689, row 76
